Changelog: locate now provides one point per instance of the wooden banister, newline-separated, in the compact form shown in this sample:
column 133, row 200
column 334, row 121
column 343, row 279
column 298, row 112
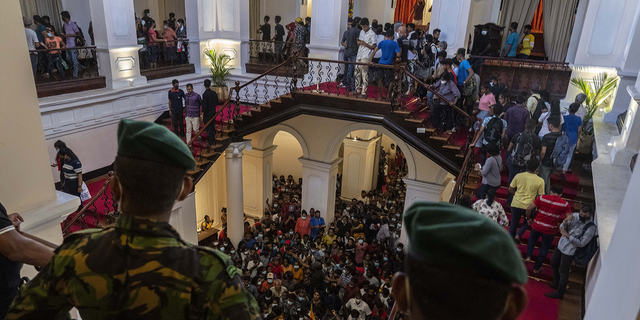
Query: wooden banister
column 381, row 66
column 461, row 174
column 394, row 311
column 85, row 208
column 441, row 97
column 40, row 240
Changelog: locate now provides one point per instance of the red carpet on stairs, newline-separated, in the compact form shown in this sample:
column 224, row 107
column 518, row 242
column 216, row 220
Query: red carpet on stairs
column 539, row 307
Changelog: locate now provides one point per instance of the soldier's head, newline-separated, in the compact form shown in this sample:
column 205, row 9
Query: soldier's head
column 150, row 155
column 492, row 277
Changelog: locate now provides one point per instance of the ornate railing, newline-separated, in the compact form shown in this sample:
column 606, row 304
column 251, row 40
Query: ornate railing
column 54, row 65
column 90, row 209
column 272, row 53
column 165, row 53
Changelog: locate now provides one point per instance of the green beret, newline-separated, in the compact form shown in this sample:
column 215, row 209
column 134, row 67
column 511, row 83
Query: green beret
column 450, row 235
column 153, row 142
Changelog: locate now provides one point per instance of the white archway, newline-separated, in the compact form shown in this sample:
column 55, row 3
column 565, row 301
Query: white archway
column 333, row 148
column 267, row 138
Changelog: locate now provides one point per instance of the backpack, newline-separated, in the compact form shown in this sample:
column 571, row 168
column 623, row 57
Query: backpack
column 523, row 149
column 536, row 113
column 583, row 255
column 560, row 151
column 493, row 131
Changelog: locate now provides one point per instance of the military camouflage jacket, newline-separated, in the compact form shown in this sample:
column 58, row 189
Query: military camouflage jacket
column 140, row 269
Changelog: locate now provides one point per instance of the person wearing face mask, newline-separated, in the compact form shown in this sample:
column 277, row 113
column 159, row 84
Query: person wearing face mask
column 250, row 287
column 269, row 283
column 148, row 154
column 442, row 110
column 361, row 247
column 181, row 33
column 53, row 56
column 290, row 307
column 481, row 42
column 359, row 309
column 59, row 160
column 170, row 37
column 485, row 284
column 265, row 314
column 577, row 231
column 303, row 224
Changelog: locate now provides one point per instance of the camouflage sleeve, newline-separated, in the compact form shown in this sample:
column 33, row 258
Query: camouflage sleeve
column 41, row 297
column 227, row 297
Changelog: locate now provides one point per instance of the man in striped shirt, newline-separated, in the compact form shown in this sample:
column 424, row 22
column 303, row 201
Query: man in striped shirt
column 552, row 210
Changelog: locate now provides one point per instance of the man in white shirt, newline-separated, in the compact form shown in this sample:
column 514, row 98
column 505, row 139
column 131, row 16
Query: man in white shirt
column 358, row 305
column 366, row 43
column 32, row 40
column 379, row 38
column 582, row 111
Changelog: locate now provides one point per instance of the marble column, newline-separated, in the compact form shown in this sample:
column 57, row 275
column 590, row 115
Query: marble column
column 452, row 17
column 319, row 186
column 358, row 168
column 114, row 31
column 329, row 21
column 257, row 171
column 235, row 203
column 627, row 144
column 418, row 191
column 222, row 25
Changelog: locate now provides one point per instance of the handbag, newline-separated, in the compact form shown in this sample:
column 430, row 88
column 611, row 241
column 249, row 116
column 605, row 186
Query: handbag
column 85, row 195
column 469, row 88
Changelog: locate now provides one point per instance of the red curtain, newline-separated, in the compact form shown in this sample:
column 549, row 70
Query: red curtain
column 403, row 10
column 536, row 23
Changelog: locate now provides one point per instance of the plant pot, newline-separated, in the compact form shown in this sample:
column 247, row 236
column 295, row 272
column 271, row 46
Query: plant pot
column 222, row 92
column 585, row 143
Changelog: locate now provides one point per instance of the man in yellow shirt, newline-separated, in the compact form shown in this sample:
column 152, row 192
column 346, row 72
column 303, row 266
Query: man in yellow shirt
column 524, row 187
column 527, row 43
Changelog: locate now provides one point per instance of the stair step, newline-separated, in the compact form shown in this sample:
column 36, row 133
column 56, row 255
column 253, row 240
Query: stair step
column 193, row 172
column 222, row 138
column 202, row 162
column 413, row 120
column 459, row 155
column 439, row 138
column 277, row 100
column 286, row 95
column 402, row 111
column 208, row 154
column 266, row 105
column 246, row 114
column 452, row 147
column 254, row 109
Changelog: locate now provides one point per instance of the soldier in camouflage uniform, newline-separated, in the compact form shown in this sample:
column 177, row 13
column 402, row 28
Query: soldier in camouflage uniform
column 141, row 268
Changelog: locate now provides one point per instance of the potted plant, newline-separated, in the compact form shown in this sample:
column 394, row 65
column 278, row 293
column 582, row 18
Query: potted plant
column 220, row 72
column 597, row 92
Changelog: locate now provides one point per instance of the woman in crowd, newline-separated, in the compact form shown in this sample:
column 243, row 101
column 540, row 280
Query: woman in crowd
column 554, row 111
column 491, row 209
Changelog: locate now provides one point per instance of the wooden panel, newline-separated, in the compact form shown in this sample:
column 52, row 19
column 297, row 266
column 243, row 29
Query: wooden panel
column 70, row 86
column 164, row 72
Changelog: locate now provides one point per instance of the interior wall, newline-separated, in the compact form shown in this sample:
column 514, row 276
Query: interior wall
column 160, row 9
column 373, row 9
column 285, row 157
column 481, row 12
column 80, row 12
column 288, row 10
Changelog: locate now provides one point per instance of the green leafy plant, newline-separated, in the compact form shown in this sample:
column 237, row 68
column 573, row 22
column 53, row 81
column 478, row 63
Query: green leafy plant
column 597, row 91
column 220, row 69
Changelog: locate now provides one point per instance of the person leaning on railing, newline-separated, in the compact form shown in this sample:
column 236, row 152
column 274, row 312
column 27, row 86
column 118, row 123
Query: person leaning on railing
column 53, row 58
column 153, row 44
column 170, row 37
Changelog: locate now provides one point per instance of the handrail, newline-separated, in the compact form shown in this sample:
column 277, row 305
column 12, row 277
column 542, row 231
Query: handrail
column 394, row 310
column 164, row 41
column 441, row 97
column 237, row 89
column 40, row 240
column 382, row 66
column 85, row 208
column 63, row 49
column 519, row 60
column 461, row 174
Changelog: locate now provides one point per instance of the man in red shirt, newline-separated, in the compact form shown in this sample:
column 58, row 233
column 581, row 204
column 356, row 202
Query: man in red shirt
column 552, row 210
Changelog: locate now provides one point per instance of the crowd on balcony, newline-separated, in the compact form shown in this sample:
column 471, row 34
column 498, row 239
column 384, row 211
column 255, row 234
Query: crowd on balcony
column 53, row 44
column 170, row 45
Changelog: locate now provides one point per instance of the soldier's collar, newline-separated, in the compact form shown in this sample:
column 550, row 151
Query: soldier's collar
column 146, row 225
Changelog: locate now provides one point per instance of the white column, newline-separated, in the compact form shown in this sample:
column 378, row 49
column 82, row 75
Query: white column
column 222, row 25
column 452, row 17
column 235, row 203
column 627, row 144
column 257, row 170
column 616, row 292
column 114, row 31
column 357, row 171
column 329, row 21
column 319, row 186
column 418, row 191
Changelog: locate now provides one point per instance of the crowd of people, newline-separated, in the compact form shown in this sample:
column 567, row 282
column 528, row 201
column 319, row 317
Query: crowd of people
column 167, row 42
column 45, row 36
column 298, row 266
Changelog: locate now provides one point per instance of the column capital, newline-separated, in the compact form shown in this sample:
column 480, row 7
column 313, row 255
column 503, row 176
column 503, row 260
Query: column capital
column 319, row 165
column 235, row 149
column 261, row 153
column 362, row 144
column 422, row 186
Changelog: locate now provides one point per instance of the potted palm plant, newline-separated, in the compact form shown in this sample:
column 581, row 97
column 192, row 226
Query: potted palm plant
column 220, row 72
column 597, row 91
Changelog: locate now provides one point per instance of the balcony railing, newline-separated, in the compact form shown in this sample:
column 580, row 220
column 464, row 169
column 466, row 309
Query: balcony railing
column 159, row 59
column 265, row 54
column 67, row 70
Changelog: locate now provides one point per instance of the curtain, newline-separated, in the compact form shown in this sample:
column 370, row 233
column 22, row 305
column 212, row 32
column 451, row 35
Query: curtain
column 536, row 23
column 558, row 16
column 520, row 11
column 255, row 20
column 403, row 10
column 51, row 8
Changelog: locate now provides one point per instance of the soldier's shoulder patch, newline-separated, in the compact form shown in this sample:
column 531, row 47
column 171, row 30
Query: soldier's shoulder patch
column 231, row 269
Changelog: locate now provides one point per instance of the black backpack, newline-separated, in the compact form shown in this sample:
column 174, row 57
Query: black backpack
column 493, row 131
column 538, row 111
column 583, row 255
column 523, row 149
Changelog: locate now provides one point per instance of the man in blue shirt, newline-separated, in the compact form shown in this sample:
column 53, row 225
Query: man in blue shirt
column 512, row 41
column 465, row 74
column 316, row 224
column 390, row 52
